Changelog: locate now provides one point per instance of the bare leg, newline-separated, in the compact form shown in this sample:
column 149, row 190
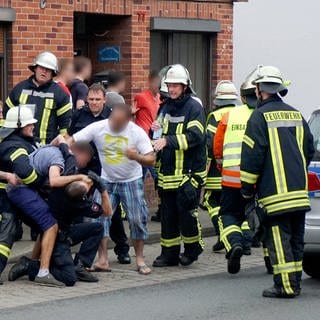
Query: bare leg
column 138, row 248
column 47, row 244
column 36, row 251
column 103, row 262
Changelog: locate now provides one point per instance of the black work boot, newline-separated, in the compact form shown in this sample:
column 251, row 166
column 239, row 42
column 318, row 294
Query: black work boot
column 186, row 259
column 83, row 275
column 247, row 251
column 279, row 293
column 234, row 258
column 268, row 265
column 19, row 269
column 162, row 261
column 124, row 258
column 218, row 246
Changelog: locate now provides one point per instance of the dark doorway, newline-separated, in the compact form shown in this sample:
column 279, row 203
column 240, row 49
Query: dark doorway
column 190, row 49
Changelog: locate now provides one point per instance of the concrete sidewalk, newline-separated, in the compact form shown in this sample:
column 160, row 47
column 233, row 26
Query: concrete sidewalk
column 23, row 292
column 24, row 246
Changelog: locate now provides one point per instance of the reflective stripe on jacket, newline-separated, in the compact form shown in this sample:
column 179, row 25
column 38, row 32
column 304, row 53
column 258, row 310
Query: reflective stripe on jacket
column 277, row 148
column 228, row 144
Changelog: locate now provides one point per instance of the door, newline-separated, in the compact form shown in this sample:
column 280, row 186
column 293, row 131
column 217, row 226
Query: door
column 190, row 49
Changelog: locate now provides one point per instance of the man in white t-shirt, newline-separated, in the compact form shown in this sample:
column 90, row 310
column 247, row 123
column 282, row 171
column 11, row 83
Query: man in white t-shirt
column 123, row 149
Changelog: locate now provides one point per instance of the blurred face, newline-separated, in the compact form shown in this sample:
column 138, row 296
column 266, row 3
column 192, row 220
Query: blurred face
column 1, row 111
column 87, row 71
column 176, row 90
column 121, row 86
column 42, row 75
column 27, row 131
column 82, row 158
column 118, row 120
column 96, row 101
column 68, row 73
column 154, row 84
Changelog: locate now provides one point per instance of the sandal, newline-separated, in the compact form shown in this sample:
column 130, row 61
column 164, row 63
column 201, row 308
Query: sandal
column 144, row 270
column 98, row 269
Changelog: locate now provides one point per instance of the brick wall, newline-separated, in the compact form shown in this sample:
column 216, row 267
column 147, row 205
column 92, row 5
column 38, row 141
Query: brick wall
column 52, row 29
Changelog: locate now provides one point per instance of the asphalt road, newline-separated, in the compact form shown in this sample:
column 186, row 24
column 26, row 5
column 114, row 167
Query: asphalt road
column 220, row 296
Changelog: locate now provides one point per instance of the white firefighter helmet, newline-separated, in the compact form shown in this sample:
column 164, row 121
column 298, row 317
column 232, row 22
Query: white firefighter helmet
column 226, row 94
column 19, row 117
column 177, row 73
column 163, row 85
column 270, row 80
column 247, row 87
column 47, row 60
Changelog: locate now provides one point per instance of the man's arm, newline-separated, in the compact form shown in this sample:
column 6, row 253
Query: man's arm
column 57, row 181
column 63, row 112
column 106, row 204
column 254, row 147
column 22, row 168
column 308, row 147
column 12, row 100
column 146, row 160
column 192, row 136
column 218, row 141
column 10, row 177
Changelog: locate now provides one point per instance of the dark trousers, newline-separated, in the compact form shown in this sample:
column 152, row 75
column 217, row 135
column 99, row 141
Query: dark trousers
column 212, row 199
column 285, row 243
column 62, row 265
column 118, row 234
column 232, row 218
column 90, row 234
column 7, row 236
column 179, row 224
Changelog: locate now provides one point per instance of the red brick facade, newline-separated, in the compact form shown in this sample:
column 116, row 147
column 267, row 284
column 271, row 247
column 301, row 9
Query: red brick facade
column 52, row 28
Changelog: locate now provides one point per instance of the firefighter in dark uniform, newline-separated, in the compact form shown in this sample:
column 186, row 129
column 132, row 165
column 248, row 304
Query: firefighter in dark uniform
column 226, row 97
column 7, row 219
column 98, row 109
column 276, row 151
column 182, row 171
column 15, row 148
column 71, row 203
column 52, row 104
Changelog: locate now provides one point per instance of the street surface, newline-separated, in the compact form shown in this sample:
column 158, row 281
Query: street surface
column 202, row 291
column 210, row 297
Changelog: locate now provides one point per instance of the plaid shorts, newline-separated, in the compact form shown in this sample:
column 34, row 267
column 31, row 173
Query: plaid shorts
column 131, row 196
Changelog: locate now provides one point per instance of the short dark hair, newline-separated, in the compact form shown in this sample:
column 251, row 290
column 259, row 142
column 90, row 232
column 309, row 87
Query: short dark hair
column 80, row 63
column 153, row 75
column 63, row 63
column 76, row 190
column 123, row 108
column 83, row 146
column 96, row 87
column 114, row 77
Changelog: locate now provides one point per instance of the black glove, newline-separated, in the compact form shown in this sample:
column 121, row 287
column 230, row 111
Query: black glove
column 98, row 182
column 255, row 215
column 188, row 196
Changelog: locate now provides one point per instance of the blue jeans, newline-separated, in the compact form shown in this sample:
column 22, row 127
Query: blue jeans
column 33, row 206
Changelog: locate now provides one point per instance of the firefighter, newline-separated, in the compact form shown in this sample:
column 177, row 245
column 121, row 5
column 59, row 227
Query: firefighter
column 226, row 97
column 51, row 102
column 7, row 219
column 277, row 148
column 234, row 228
column 17, row 144
column 182, row 171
